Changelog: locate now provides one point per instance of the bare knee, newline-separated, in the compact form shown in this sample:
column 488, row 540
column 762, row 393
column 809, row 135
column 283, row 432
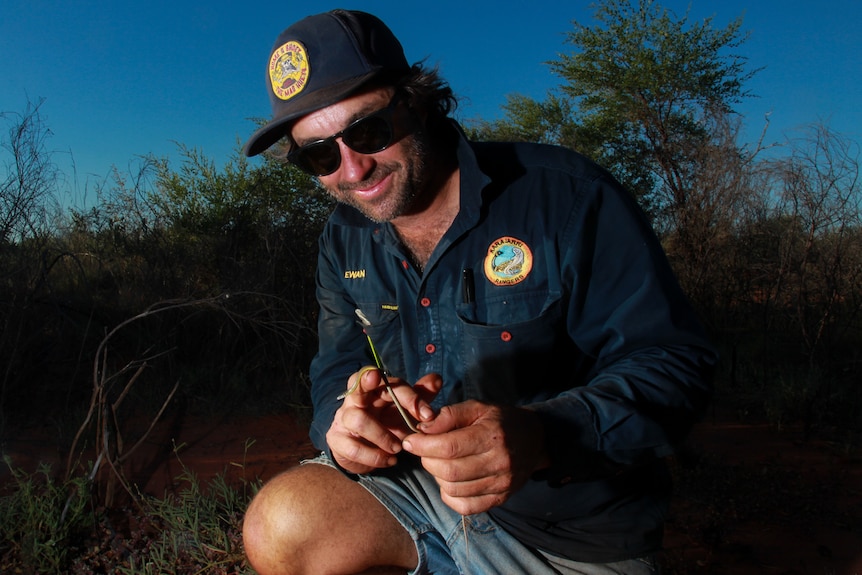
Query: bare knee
column 276, row 524
column 312, row 519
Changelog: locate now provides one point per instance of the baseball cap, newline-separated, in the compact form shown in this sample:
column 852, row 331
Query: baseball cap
column 319, row 61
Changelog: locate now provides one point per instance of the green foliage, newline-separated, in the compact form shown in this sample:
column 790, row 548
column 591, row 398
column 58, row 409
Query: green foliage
column 639, row 61
column 636, row 94
column 530, row 121
column 767, row 250
column 643, row 82
column 244, row 235
column 29, row 182
column 47, row 527
column 41, row 521
column 210, row 274
column 195, row 531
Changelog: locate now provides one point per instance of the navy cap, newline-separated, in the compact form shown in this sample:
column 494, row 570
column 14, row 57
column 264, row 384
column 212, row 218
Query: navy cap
column 319, row 61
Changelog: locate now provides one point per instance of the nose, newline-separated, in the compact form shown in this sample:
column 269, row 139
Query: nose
column 355, row 167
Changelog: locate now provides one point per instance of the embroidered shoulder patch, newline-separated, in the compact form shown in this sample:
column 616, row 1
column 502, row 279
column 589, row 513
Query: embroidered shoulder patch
column 508, row 261
column 288, row 70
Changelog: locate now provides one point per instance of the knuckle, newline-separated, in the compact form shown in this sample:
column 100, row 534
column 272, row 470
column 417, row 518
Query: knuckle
column 446, row 411
column 353, row 419
column 450, row 450
column 449, row 474
column 353, row 452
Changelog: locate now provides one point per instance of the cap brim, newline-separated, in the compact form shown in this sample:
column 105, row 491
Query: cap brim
column 277, row 128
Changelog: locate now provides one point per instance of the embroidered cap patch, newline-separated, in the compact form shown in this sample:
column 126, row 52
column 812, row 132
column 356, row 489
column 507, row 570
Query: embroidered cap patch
column 288, row 70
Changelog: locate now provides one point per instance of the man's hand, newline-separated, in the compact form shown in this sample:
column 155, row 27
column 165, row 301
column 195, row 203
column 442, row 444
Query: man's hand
column 480, row 454
column 367, row 430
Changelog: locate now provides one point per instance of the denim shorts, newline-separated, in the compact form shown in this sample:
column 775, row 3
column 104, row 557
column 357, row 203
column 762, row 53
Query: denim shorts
column 448, row 543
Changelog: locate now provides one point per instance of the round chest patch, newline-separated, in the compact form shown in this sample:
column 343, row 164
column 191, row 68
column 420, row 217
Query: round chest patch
column 288, row 70
column 508, row 261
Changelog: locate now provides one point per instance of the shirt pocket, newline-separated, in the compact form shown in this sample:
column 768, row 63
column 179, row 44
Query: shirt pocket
column 384, row 331
column 516, row 362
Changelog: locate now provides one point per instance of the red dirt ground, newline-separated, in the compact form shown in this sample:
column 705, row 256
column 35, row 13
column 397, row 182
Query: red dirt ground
column 751, row 499
column 765, row 501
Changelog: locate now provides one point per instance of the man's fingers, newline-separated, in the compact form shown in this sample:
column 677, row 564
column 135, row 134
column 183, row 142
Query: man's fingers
column 473, row 484
column 416, row 399
column 453, row 417
column 360, row 443
column 363, row 387
column 448, row 446
column 356, row 422
column 482, row 467
column 357, row 456
column 428, row 386
column 471, row 505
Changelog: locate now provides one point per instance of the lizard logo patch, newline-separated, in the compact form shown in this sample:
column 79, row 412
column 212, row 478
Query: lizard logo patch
column 508, row 261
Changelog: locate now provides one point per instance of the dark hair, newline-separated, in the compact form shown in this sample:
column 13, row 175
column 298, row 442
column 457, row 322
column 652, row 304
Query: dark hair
column 428, row 92
column 427, row 95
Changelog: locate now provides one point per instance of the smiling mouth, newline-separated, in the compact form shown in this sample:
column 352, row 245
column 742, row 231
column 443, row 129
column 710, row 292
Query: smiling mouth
column 368, row 188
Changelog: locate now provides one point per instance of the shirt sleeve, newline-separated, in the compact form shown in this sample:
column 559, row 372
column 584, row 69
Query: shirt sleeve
column 343, row 349
column 651, row 377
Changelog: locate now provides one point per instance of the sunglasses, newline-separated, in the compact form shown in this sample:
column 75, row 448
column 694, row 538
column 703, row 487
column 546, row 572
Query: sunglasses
column 367, row 135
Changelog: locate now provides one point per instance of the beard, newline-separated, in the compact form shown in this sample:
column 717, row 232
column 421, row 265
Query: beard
column 409, row 186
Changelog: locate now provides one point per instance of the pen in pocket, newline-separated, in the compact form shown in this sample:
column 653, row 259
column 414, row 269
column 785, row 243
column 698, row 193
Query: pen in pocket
column 468, row 288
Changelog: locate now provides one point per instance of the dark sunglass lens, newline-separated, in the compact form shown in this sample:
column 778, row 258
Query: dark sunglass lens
column 369, row 135
column 319, row 159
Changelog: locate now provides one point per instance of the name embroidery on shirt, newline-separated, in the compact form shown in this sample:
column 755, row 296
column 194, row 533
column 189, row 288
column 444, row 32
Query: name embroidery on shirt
column 354, row 274
column 508, row 261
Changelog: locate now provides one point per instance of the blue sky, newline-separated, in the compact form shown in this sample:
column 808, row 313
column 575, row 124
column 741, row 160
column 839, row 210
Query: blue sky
column 124, row 79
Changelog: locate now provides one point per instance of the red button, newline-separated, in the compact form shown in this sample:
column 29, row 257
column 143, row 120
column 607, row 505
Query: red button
column 430, row 348
column 425, row 302
column 506, row 336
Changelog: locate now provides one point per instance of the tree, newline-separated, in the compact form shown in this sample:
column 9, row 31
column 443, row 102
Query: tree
column 821, row 271
column 650, row 96
column 28, row 188
column 30, row 178
column 638, row 94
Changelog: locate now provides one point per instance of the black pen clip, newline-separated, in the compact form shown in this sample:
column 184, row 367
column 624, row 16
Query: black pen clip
column 468, row 287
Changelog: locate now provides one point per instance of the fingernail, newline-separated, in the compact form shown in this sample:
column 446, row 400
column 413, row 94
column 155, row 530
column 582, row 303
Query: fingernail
column 426, row 412
column 407, row 445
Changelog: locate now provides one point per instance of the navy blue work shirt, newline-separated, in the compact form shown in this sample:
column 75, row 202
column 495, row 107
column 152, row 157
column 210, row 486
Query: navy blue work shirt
column 572, row 310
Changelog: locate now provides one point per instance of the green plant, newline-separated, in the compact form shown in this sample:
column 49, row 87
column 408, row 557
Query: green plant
column 41, row 520
column 198, row 530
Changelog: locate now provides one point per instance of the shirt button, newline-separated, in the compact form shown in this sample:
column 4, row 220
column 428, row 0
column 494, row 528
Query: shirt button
column 425, row 302
column 506, row 336
column 430, row 348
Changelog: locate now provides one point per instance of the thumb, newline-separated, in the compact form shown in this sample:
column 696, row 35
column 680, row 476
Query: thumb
column 365, row 380
column 452, row 417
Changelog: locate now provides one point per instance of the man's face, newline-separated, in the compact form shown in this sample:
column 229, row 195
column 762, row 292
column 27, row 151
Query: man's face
column 382, row 185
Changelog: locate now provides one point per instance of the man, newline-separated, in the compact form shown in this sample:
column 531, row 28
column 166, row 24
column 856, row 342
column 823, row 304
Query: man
column 519, row 310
